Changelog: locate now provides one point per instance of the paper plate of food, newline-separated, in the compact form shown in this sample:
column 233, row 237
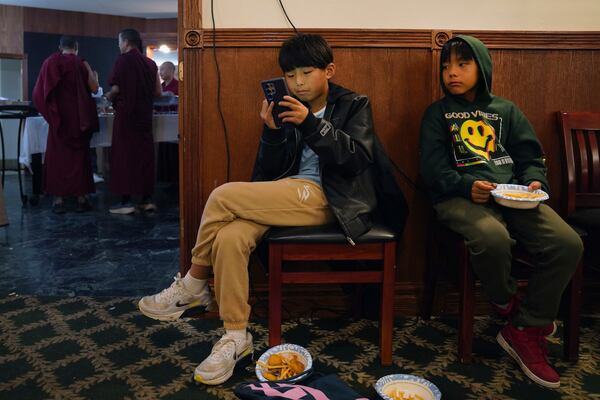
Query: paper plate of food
column 406, row 387
column 518, row 196
column 285, row 362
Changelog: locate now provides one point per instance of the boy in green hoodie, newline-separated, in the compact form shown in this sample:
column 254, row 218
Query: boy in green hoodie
column 471, row 141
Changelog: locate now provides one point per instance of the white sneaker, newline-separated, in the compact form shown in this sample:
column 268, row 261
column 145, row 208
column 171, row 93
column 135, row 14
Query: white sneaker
column 98, row 178
column 122, row 208
column 147, row 207
column 225, row 354
column 175, row 301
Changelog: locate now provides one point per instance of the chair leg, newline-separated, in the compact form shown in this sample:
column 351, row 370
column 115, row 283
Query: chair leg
column 431, row 275
column 467, row 295
column 572, row 315
column 275, row 252
column 386, row 324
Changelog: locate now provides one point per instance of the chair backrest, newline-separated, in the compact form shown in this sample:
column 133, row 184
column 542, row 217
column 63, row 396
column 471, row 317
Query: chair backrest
column 580, row 133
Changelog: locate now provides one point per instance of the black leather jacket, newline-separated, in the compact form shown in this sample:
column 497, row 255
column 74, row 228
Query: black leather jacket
column 351, row 159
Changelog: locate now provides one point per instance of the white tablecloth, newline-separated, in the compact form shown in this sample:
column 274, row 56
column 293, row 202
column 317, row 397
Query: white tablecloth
column 35, row 135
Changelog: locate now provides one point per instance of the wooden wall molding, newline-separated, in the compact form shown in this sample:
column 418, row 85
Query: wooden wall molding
column 527, row 40
column 386, row 38
column 439, row 38
column 192, row 38
column 396, row 38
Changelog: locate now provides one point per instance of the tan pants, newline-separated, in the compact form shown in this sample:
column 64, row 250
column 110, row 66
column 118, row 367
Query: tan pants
column 235, row 217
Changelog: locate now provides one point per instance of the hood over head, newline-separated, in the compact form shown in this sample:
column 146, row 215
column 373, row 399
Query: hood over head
column 484, row 62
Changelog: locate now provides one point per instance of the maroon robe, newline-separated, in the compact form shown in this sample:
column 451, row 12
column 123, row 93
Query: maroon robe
column 61, row 94
column 168, row 153
column 173, row 87
column 132, row 151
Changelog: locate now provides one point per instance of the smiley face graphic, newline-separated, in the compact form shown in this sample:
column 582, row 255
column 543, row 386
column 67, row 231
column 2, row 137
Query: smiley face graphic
column 479, row 137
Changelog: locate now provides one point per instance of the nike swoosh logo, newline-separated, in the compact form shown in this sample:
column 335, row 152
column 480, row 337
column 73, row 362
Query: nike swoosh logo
column 194, row 310
column 178, row 304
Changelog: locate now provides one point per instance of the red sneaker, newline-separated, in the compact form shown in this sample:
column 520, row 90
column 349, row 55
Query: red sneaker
column 549, row 330
column 512, row 309
column 528, row 347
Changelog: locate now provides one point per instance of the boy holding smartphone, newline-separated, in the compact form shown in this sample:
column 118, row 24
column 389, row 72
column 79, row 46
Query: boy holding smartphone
column 318, row 168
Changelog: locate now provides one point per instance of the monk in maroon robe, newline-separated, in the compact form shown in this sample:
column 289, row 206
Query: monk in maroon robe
column 167, row 74
column 62, row 94
column 168, row 153
column 135, row 83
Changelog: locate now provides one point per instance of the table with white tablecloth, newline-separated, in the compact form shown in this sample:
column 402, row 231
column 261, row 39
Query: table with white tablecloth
column 35, row 135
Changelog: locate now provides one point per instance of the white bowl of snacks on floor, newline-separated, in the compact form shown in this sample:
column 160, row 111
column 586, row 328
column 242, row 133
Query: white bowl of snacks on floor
column 406, row 387
column 518, row 196
column 285, row 362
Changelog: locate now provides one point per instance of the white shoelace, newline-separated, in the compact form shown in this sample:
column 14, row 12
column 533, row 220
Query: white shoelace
column 221, row 350
column 175, row 290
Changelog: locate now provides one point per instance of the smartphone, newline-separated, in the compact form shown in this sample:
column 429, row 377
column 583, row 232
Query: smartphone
column 274, row 90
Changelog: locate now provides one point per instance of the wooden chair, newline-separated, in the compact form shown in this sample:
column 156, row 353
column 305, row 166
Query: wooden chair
column 580, row 135
column 580, row 139
column 456, row 250
column 327, row 243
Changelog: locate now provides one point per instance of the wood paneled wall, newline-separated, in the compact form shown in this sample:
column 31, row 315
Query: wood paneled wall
column 89, row 24
column 542, row 72
column 16, row 20
column 11, row 30
column 77, row 23
column 161, row 25
column 543, row 82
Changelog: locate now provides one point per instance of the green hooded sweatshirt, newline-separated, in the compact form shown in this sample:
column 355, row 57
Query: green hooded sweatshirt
column 489, row 139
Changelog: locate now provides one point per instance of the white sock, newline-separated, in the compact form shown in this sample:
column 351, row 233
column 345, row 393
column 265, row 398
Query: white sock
column 239, row 334
column 192, row 284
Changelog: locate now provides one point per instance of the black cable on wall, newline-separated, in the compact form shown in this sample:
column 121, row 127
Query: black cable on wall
column 287, row 17
column 219, row 107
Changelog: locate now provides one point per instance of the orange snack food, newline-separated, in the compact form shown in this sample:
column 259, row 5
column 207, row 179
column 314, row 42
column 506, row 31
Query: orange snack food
column 397, row 394
column 523, row 195
column 282, row 366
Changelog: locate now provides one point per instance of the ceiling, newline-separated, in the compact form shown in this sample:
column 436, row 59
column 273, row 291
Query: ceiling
column 126, row 8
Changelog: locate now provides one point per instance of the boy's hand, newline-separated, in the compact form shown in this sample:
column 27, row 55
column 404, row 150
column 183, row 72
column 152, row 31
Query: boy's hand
column 297, row 113
column 266, row 114
column 535, row 185
column 480, row 191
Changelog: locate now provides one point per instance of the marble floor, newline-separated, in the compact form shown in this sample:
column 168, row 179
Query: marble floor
column 87, row 254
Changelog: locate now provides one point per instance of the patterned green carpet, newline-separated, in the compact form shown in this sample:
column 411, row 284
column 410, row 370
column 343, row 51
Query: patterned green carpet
column 103, row 348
